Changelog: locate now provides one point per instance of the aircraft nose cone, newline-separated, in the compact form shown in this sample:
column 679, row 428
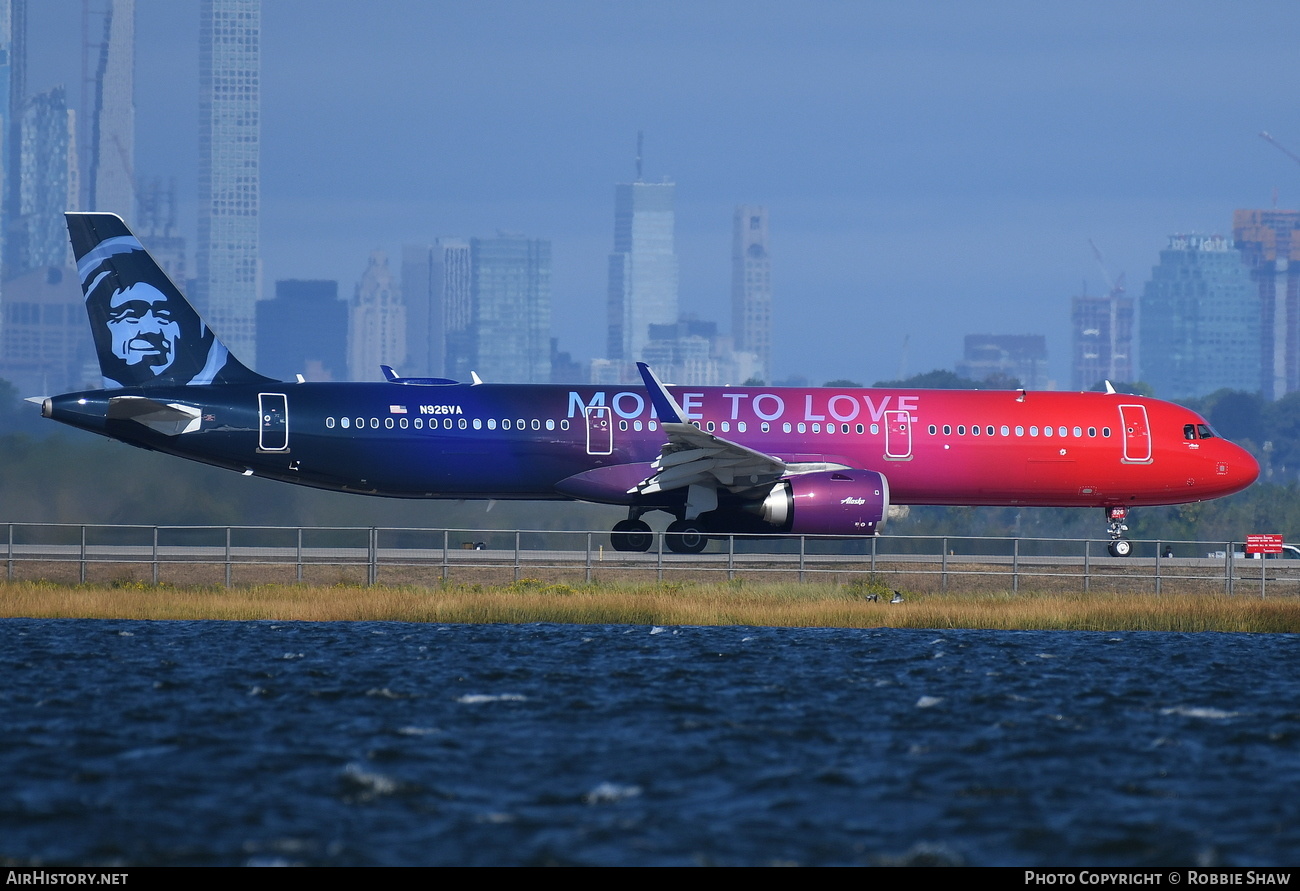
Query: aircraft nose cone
column 1243, row 469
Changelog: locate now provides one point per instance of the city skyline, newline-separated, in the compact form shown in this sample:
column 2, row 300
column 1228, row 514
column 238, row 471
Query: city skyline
column 959, row 157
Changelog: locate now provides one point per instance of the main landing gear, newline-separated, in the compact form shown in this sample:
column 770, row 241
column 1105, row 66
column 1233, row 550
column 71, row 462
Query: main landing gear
column 1115, row 528
column 632, row 534
column 681, row 537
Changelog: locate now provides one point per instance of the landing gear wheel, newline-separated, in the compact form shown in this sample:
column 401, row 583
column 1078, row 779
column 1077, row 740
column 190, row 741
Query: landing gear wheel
column 685, row 537
column 631, row 535
column 1120, row 547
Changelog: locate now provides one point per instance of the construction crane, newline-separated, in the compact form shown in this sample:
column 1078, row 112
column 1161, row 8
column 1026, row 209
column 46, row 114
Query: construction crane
column 1267, row 137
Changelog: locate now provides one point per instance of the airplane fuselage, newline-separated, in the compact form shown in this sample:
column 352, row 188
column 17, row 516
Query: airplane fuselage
column 989, row 447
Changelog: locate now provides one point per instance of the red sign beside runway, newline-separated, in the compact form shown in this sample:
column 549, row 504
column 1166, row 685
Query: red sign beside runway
column 1263, row 543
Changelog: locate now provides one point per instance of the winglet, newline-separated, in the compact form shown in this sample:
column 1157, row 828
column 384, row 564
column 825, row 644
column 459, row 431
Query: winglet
column 665, row 405
column 389, row 374
column 1110, row 388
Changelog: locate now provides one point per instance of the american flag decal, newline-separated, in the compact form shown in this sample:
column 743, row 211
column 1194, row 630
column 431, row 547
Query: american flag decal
column 397, row 409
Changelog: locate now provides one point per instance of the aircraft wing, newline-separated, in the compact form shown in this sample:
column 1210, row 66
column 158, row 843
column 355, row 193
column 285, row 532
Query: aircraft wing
column 693, row 457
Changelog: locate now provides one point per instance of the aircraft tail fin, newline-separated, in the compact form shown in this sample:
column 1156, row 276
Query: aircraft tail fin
column 146, row 333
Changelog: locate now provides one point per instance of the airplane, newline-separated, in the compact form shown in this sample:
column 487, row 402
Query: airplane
column 720, row 460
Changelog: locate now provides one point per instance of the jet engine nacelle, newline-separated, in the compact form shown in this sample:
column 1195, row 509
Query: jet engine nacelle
column 831, row 502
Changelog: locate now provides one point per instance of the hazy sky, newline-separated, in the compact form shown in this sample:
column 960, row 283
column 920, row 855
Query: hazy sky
column 931, row 169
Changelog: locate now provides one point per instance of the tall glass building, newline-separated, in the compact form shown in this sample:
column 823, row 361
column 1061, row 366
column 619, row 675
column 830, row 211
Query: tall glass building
column 1269, row 241
column 229, row 191
column 642, row 268
column 512, row 310
column 1199, row 324
column 110, row 171
column 39, row 236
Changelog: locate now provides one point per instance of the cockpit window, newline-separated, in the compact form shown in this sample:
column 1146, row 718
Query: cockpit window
column 1197, row 431
column 1189, row 431
column 1204, row 432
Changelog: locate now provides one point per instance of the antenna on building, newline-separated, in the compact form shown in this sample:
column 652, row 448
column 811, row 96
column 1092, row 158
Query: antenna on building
column 640, row 137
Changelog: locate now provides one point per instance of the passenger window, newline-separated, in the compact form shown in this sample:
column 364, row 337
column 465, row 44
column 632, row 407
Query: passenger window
column 785, row 428
column 765, row 427
column 803, row 428
column 989, row 430
column 1020, row 431
column 947, row 430
column 860, row 429
column 537, row 425
column 462, row 423
column 388, row 422
column 1006, row 431
column 961, row 429
column 550, row 424
column 564, row 425
column 740, row 426
column 345, row 423
column 622, row 425
column 329, row 422
column 844, row 428
column 492, row 423
column 1105, row 431
column 505, row 423
column 1033, row 430
column 419, row 423
column 1092, row 431
column 933, row 430
column 875, row 429
column 975, row 430
column 1078, row 431
column 478, row 423
column 1062, row 431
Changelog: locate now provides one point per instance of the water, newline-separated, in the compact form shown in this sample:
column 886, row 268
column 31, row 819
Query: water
column 380, row 743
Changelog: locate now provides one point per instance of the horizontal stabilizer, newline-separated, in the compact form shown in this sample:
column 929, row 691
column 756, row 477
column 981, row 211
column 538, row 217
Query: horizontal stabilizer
column 170, row 419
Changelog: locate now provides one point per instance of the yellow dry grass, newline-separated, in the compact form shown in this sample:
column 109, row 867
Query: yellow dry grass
column 725, row 603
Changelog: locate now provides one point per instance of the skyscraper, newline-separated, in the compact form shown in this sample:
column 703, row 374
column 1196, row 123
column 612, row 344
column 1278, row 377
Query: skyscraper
column 304, row 330
column 1269, row 241
column 376, row 322
column 642, row 268
column 9, row 129
column 437, row 291
column 110, row 171
column 47, row 187
column 1200, row 320
column 751, row 286
column 229, row 192
column 512, row 309
column 1102, row 339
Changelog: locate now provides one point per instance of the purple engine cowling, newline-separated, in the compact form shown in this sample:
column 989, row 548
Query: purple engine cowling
column 830, row 502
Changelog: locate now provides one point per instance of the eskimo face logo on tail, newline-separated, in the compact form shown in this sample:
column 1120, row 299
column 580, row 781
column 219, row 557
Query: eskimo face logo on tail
column 145, row 331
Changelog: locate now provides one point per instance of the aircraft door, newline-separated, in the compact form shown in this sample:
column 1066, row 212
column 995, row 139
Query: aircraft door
column 1137, row 434
column 898, row 436
column 600, row 430
column 273, row 428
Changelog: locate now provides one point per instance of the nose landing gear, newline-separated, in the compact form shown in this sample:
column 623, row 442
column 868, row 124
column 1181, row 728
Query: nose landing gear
column 1115, row 528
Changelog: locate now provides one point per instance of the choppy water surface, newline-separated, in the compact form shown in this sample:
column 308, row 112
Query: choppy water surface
column 378, row 743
